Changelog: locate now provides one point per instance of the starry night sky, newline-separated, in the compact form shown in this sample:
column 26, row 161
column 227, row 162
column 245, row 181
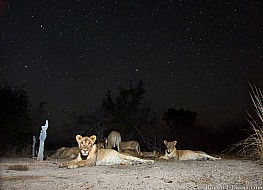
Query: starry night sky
column 196, row 55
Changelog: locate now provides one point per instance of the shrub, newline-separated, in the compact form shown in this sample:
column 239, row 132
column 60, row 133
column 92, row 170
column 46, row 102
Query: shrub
column 252, row 146
column 15, row 121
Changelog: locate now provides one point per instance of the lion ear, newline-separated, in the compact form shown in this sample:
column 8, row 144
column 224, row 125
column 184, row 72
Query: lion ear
column 165, row 142
column 93, row 138
column 175, row 142
column 78, row 138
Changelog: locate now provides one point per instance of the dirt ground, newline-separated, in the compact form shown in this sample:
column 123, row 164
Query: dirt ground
column 26, row 173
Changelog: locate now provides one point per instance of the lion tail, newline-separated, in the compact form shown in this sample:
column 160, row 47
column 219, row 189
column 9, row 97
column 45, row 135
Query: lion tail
column 136, row 160
column 206, row 156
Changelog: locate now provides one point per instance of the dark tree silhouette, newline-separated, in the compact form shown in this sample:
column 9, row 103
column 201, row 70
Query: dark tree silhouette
column 181, row 124
column 124, row 108
column 95, row 123
column 133, row 116
column 127, row 113
column 15, row 120
column 180, row 118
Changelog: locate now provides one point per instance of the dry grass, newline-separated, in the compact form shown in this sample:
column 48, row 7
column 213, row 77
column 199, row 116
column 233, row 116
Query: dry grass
column 252, row 147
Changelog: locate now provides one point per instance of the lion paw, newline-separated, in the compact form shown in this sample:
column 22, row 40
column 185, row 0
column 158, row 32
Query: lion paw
column 150, row 162
column 72, row 166
column 62, row 165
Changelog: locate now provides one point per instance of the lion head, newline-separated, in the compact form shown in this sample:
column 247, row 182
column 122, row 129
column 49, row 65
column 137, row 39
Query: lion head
column 170, row 146
column 85, row 144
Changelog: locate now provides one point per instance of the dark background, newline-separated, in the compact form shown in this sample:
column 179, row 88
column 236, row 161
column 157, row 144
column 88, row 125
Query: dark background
column 190, row 55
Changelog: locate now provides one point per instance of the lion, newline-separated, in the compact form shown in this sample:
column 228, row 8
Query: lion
column 152, row 154
column 100, row 145
column 130, row 152
column 70, row 152
column 172, row 153
column 63, row 152
column 90, row 155
column 113, row 140
column 130, row 145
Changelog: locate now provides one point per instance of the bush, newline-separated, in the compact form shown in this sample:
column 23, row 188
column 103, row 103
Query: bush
column 252, row 147
column 15, row 121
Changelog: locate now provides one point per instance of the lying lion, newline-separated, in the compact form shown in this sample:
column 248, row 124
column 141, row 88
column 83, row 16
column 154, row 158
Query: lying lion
column 70, row 152
column 63, row 152
column 172, row 153
column 130, row 152
column 90, row 155
column 152, row 154
column 130, row 145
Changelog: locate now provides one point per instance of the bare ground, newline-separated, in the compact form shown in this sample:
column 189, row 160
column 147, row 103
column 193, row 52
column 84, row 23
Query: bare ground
column 26, row 173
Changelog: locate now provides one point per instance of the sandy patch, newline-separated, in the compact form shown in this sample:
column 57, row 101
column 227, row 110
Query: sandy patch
column 26, row 173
